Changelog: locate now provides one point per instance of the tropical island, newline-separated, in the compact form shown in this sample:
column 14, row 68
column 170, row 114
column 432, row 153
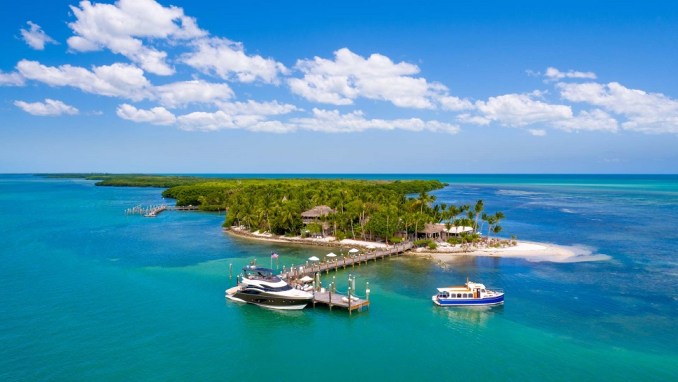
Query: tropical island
column 336, row 212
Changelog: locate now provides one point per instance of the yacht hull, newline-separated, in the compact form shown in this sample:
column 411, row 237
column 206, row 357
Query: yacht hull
column 268, row 300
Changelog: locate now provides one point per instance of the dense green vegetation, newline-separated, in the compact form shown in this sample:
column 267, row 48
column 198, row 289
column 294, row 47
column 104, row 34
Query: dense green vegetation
column 135, row 180
column 368, row 210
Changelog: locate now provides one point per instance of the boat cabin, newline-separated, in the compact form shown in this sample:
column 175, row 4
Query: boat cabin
column 257, row 273
column 470, row 290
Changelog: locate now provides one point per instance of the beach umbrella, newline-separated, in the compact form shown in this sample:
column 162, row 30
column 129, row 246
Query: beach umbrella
column 331, row 254
column 306, row 279
column 371, row 247
column 353, row 250
column 313, row 258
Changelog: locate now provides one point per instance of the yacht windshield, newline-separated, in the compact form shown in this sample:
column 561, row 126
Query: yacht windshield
column 259, row 274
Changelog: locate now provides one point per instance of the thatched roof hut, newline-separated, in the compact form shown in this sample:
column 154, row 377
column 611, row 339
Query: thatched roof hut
column 432, row 229
column 315, row 213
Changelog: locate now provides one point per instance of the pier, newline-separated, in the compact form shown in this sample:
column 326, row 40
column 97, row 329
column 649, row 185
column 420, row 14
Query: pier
column 155, row 210
column 333, row 299
column 344, row 262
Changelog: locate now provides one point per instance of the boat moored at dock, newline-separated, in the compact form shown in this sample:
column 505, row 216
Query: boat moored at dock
column 470, row 294
column 261, row 287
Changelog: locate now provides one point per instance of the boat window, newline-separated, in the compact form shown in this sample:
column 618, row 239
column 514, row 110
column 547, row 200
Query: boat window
column 465, row 295
column 458, row 295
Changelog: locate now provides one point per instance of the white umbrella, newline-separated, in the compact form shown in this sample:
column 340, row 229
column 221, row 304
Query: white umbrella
column 371, row 247
column 313, row 258
column 306, row 279
column 331, row 254
column 353, row 250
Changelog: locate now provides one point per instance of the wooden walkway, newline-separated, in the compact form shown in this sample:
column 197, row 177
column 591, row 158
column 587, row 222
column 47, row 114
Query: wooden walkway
column 343, row 263
column 153, row 211
column 335, row 299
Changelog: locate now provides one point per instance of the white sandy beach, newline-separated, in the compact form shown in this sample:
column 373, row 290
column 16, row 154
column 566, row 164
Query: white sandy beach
column 528, row 250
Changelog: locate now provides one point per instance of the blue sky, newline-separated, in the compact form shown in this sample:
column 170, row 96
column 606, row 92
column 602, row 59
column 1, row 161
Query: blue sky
column 270, row 86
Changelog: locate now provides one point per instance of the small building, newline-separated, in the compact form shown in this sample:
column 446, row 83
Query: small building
column 431, row 231
column 435, row 231
column 314, row 214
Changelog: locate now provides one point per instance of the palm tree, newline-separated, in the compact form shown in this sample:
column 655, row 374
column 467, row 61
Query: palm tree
column 477, row 209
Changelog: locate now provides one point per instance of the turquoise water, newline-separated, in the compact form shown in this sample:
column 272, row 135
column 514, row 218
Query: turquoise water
column 91, row 294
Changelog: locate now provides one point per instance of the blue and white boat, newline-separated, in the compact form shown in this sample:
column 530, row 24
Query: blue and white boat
column 470, row 294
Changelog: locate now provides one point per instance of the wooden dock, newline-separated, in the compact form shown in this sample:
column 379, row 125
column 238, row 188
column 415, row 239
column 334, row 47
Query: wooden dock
column 344, row 262
column 153, row 211
column 335, row 299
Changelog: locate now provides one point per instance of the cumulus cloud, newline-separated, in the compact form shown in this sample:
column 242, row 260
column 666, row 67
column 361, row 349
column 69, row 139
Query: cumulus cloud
column 253, row 116
column 117, row 80
column 594, row 120
column 349, row 76
column 156, row 116
column 187, row 92
column 644, row 112
column 11, row 79
column 227, row 59
column 49, row 107
column 521, row 110
column 553, row 74
column 35, row 37
column 332, row 121
column 518, row 110
column 252, row 107
column 120, row 27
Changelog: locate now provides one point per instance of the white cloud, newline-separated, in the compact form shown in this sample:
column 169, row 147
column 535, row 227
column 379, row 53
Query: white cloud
column 11, row 79
column 117, row 80
column 35, row 37
column 196, row 91
column 350, row 76
column 553, row 74
column 594, row 120
column 518, row 110
column 206, row 121
column 332, row 121
column 120, row 27
column 227, row 59
column 156, row 115
column 253, row 116
column 49, row 107
column 454, row 103
column 219, row 120
column 644, row 112
column 252, row 107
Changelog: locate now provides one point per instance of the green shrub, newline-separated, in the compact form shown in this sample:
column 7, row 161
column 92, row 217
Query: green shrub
column 422, row 242
column 432, row 245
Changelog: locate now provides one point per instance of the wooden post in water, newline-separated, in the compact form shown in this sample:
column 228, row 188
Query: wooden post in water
column 367, row 291
column 230, row 271
column 349, row 301
column 330, row 298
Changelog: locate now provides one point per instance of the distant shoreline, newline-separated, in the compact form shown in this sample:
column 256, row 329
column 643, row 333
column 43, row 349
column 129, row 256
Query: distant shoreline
column 527, row 250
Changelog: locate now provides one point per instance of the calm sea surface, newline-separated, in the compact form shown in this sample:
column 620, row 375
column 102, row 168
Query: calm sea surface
column 87, row 293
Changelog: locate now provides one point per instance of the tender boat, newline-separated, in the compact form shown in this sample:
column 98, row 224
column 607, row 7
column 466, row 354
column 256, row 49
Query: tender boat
column 470, row 294
column 261, row 287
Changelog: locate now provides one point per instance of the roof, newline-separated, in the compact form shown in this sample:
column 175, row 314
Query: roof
column 458, row 230
column 317, row 212
column 433, row 228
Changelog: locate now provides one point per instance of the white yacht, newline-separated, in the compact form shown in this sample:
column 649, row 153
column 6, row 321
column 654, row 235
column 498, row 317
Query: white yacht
column 261, row 287
column 470, row 294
